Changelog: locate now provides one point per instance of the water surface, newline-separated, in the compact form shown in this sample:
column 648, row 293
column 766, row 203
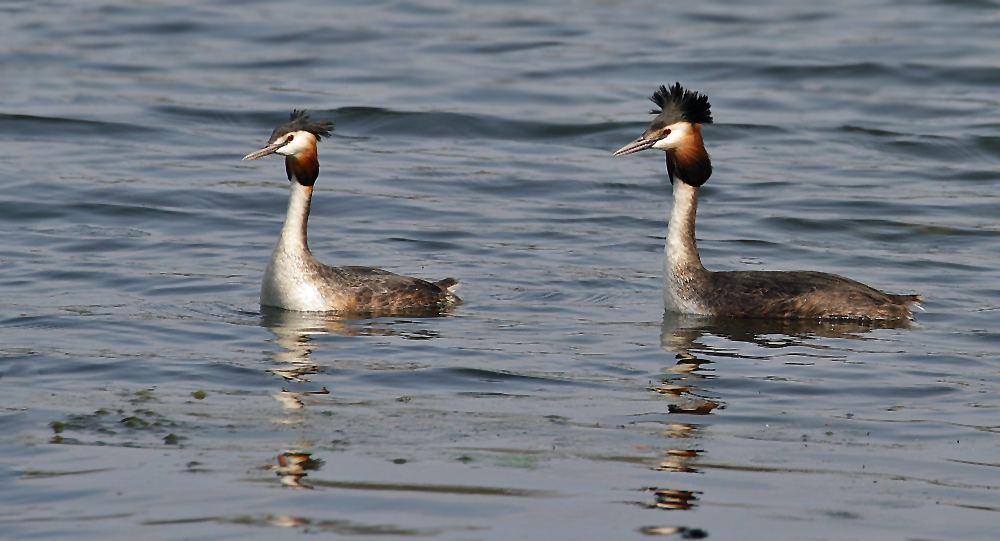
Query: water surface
column 145, row 395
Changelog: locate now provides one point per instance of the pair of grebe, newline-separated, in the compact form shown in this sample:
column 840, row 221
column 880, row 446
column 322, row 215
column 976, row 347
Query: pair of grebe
column 294, row 280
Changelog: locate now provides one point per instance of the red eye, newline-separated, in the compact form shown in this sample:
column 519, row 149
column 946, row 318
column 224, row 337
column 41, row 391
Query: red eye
column 666, row 132
column 290, row 137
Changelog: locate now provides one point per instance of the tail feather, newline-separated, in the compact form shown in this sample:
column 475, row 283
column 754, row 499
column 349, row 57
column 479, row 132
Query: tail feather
column 448, row 284
column 906, row 300
column 904, row 305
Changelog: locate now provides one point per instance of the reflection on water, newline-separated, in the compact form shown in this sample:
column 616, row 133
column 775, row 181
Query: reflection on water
column 680, row 430
column 682, row 383
column 684, row 533
column 303, row 524
column 349, row 324
column 679, row 460
column 293, row 399
column 294, row 332
column 688, row 383
column 293, row 466
column 673, row 499
column 680, row 333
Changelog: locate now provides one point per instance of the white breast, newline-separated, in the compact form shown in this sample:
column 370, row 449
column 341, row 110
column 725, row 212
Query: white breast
column 678, row 296
column 287, row 284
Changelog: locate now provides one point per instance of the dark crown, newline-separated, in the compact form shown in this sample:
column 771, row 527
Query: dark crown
column 680, row 105
column 299, row 121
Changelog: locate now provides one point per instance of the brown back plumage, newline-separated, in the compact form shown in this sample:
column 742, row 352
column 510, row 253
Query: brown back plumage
column 801, row 294
column 375, row 291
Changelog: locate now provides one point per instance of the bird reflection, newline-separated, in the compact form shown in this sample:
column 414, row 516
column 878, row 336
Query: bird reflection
column 295, row 332
column 686, row 384
column 293, row 466
column 672, row 499
column 680, row 333
column 679, row 460
column 680, row 430
column 292, row 400
column 683, row 532
column 681, row 382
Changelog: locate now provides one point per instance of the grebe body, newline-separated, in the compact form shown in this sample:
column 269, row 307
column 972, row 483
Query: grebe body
column 295, row 280
column 689, row 288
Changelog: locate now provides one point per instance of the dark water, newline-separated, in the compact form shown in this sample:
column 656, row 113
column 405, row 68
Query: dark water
column 145, row 396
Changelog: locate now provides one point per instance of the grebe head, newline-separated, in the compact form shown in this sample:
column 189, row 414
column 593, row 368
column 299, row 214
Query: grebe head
column 296, row 137
column 676, row 130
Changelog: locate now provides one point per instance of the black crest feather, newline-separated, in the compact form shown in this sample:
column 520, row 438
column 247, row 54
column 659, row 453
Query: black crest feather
column 299, row 121
column 677, row 104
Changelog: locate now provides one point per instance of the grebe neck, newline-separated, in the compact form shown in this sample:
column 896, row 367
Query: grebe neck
column 302, row 170
column 681, row 248
column 293, row 237
column 290, row 280
column 683, row 274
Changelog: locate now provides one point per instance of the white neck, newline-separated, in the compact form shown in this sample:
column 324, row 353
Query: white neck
column 293, row 234
column 682, row 268
column 290, row 280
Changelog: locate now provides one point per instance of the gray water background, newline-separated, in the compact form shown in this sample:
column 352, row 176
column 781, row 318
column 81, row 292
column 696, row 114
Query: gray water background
column 144, row 396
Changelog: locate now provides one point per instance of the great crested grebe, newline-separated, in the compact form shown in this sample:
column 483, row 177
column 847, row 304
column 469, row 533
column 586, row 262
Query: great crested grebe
column 689, row 288
column 294, row 280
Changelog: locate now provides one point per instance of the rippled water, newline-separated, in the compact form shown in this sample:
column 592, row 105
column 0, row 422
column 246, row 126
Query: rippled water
column 144, row 394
